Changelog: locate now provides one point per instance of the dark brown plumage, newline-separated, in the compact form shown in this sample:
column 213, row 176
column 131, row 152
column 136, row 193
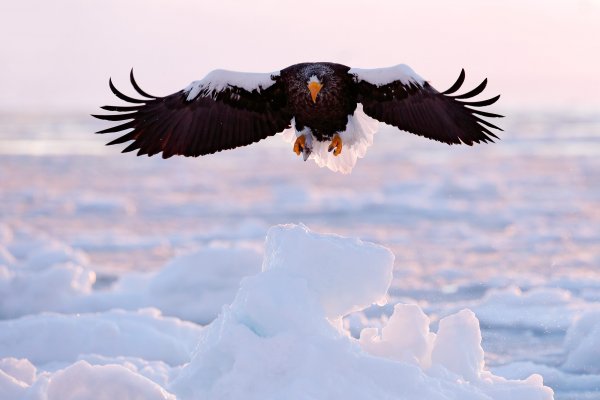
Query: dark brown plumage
column 424, row 111
column 336, row 100
column 229, row 109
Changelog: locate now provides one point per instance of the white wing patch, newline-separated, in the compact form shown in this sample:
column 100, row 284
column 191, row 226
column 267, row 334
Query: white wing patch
column 356, row 139
column 220, row 79
column 383, row 76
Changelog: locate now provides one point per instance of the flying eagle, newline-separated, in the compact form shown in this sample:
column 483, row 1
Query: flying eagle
column 322, row 105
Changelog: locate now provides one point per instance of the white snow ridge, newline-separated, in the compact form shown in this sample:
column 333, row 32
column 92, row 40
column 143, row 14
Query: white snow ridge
column 280, row 338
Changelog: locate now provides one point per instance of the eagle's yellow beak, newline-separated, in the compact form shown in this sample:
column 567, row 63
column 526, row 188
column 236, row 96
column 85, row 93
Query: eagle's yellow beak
column 314, row 88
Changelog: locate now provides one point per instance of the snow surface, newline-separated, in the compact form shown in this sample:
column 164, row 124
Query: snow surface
column 582, row 344
column 542, row 309
column 281, row 337
column 220, row 79
column 383, row 76
column 55, row 277
column 510, row 231
column 143, row 334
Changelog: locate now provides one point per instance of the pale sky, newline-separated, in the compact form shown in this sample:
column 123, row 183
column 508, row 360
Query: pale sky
column 57, row 55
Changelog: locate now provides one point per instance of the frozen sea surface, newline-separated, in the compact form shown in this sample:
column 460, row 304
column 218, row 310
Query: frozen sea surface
column 509, row 230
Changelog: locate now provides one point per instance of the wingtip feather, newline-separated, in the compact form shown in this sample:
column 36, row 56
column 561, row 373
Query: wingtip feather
column 457, row 84
column 472, row 93
column 122, row 96
column 137, row 87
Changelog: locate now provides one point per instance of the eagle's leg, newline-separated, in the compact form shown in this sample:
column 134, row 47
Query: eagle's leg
column 303, row 144
column 299, row 144
column 336, row 145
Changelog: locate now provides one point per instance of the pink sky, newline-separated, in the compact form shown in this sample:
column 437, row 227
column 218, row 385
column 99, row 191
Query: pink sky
column 58, row 55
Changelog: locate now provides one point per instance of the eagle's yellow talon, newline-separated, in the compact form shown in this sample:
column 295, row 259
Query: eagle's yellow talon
column 299, row 144
column 336, row 145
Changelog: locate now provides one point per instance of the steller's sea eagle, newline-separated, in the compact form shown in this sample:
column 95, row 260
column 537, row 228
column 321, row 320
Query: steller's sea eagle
column 321, row 105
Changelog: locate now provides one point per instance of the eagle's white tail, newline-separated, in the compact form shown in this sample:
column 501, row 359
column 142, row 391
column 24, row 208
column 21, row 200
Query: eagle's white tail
column 356, row 139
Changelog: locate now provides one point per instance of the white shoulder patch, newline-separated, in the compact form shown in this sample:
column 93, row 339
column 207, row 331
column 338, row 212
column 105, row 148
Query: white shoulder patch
column 383, row 76
column 220, row 79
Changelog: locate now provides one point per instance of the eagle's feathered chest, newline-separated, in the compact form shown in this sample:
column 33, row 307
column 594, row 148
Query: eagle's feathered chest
column 334, row 103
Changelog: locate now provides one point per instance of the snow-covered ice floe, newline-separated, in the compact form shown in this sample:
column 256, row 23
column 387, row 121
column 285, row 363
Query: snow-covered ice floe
column 39, row 274
column 280, row 338
column 540, row 309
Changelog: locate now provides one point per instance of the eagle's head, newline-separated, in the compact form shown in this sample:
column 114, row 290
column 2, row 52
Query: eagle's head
column 314, row 87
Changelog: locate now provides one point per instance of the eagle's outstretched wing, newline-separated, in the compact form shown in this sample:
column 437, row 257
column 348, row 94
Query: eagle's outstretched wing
column 224, row 110
column 400, row 97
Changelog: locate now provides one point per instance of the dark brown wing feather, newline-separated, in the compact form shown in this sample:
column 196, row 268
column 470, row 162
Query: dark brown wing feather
column 209, row 123
column 422, row 110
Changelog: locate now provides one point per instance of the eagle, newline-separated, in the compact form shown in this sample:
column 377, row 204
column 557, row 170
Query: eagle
column 327, row 110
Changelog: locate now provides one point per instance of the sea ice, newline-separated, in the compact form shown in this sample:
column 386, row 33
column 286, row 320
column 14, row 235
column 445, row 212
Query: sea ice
column 582, row 344
column 541, row 309
column 49, row 337
column 281, row 337
column 82, row 381
column 52, row 276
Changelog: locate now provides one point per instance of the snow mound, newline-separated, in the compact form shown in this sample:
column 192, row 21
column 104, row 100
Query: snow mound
column 282, row 337
column 395, row 342
column 194, row 286
column 38, row 273
column 346, row 274
column 566, row 385
column 457, row 345
column 582, row 344
column 58, row 287
column 539, row 309
column 6, row 258
column 84, row 381
column 78, row 381
column 144, row 334
column 101, row 205
column 19, row 369
column 53, row 253
column 52, row 276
